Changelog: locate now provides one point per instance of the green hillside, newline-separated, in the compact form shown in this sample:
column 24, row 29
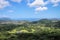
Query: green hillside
column 44, row 29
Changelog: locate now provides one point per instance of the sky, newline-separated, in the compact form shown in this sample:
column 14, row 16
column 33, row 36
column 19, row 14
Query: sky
column 16, row 9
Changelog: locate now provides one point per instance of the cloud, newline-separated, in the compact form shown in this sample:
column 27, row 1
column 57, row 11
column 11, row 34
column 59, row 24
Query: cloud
column 41, row 8
column 16, row 1
column 10, row 11
column 1, row 16
column 4, row 3
column 38, row 3
column 55, row 2
column 55, row 5
column 41, row 5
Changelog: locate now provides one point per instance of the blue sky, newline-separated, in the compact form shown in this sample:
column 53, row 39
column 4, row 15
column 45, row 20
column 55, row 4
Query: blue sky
column 30, row 9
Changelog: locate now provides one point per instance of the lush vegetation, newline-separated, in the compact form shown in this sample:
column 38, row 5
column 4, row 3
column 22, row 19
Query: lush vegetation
column 44, row 29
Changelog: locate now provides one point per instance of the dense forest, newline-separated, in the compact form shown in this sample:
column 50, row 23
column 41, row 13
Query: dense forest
column 43, row 29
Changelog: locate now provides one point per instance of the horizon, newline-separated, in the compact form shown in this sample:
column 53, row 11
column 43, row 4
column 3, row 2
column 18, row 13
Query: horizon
column 27, row 19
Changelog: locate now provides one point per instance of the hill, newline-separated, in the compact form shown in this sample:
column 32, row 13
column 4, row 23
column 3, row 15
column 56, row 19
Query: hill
column 43, row 29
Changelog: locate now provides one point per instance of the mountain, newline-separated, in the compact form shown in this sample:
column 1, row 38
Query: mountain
column 4, row 19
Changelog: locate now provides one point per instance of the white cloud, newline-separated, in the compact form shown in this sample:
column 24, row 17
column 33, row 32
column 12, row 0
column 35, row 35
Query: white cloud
column 41, row 5
column 55, row 5
column 16, row 1
column 4, row 3
column 10, row 11
column 37, row 3
column 55, row 2
column 1, row 16
column 41, row 8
